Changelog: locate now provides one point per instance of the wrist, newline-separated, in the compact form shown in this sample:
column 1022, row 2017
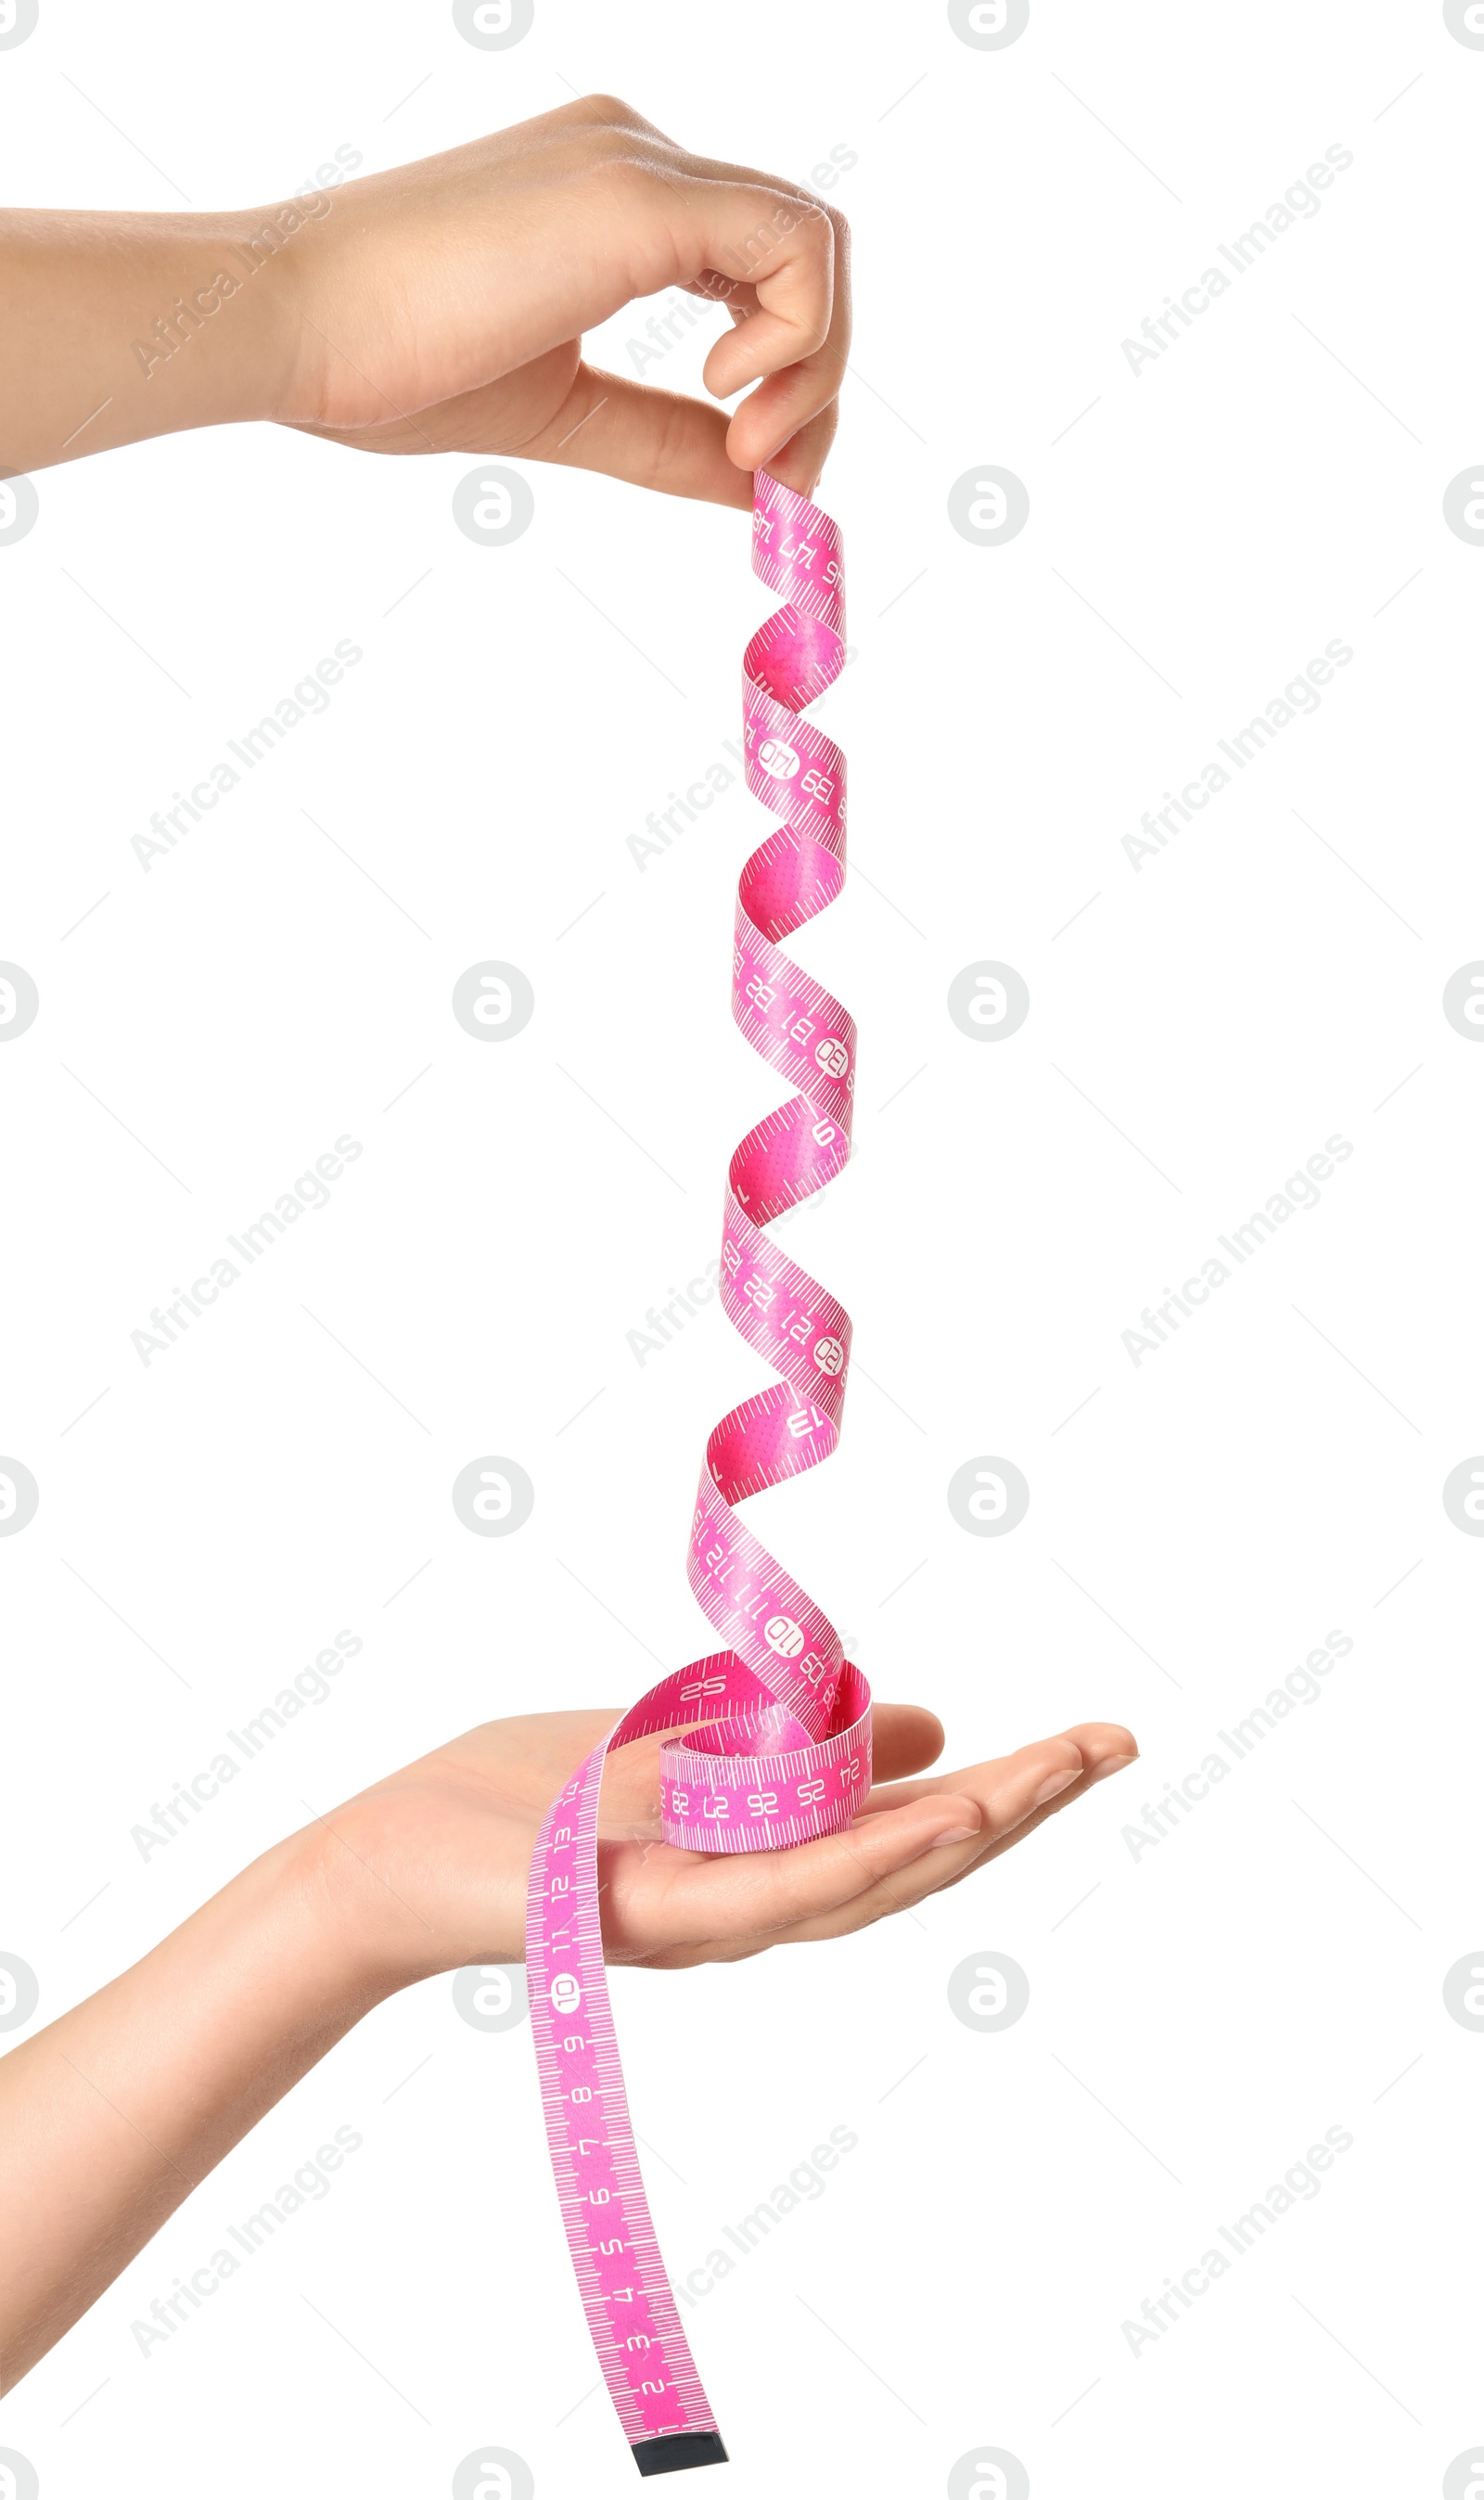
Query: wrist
column 394, row 1893
column 216, row 343
column 312, row 1899
column 366, row 1925
column 127, row 326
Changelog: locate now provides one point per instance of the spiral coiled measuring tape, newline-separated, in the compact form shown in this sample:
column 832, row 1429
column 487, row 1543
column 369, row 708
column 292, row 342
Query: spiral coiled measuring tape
column 778, row 1744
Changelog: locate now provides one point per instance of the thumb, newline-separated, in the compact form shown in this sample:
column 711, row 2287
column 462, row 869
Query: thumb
column 646, row 435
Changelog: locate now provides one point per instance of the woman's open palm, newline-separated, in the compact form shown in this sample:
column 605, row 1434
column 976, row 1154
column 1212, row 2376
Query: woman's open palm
column 432, row 1862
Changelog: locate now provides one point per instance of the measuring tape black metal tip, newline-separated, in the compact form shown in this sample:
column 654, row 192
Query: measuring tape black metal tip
column 678, row 2450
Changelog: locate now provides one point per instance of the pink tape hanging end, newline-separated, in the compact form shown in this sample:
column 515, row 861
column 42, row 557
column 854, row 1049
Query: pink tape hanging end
column 777, row 1744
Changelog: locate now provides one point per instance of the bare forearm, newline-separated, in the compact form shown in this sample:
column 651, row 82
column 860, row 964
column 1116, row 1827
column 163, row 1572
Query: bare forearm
column 110, row 2117
column 117, row 327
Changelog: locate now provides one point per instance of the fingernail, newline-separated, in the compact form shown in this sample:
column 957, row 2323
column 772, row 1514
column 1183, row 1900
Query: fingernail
column 1119, row 1763
column 960, row 1831
column 1054, row 1785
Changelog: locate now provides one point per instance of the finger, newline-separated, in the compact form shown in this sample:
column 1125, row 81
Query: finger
column 1017, row 1810
column 1011, row 1799
column 1003, row 1792
column 784, row 247
column 647, row 436
column 798, row 462
column 769, row 248
column 1101, row 1769
column 709, row 1900
column 741, row 294
column 1028, row 1786
column 1046, row 1783
column 659, row 439
column 604, row 423
column 738, row 297
column 1084, row 1748
column 904, row 1739
column 788, row 423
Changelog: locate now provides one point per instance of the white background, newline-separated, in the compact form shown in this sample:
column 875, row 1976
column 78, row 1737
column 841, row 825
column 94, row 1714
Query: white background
column 1197, row 2016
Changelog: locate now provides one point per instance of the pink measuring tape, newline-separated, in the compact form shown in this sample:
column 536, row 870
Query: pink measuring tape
column 779, row 1748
